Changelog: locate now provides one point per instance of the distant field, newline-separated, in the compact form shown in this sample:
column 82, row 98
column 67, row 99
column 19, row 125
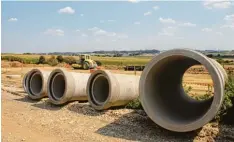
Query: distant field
column 121, row 61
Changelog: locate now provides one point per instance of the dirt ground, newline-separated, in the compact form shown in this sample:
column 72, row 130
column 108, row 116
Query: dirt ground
column 27, row 120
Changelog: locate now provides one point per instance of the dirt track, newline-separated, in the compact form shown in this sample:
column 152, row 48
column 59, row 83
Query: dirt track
column 27, row 120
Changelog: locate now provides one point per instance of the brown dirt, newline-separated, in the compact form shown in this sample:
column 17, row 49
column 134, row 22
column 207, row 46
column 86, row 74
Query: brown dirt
column 27, row 120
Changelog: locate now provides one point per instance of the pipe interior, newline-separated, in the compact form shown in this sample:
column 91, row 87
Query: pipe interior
column 36, row 84
column 100, row 89
column 165, row 94
column 58, row 86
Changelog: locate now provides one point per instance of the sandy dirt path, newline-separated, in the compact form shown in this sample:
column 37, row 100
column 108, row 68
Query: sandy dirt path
column 27, row 120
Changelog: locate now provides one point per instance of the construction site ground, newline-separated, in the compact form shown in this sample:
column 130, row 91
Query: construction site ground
column 26, row 120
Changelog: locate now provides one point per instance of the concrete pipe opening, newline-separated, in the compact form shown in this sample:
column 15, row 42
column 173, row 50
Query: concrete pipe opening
column 57, row 86
column 163, row 97
column 36, row 84
column 99, row 89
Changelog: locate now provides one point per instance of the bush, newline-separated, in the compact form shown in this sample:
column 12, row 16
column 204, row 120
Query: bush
column 52, row 61
column 60, row 58
column 42, row 60
column 19, row 59
column 98, row 63
column 221, row 61
column 69, row 60
column 134, row 104
column 228, row 101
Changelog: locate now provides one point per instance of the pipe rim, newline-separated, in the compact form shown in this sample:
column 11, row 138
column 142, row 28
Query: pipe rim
column 94, row 99
column 93, row 76
column 28, row 80
column 66, row 94
column 217, row 98
column 24, row 83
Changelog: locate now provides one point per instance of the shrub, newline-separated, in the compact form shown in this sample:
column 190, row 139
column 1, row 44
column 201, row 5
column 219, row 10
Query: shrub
column 60, row 58
column 69, row 60
column 134, row 104
column 228, row 101
column 98, row 63
column 221, row 61
column 52, row 61
column 42, row 60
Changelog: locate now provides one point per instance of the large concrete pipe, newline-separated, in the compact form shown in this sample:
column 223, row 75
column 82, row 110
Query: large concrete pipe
column 164, row 99
column 64, row 86
column 105, row 89
column 35, row 83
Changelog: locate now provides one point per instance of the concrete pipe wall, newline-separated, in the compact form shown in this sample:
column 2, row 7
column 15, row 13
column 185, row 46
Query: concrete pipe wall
column 105, row 89
column 64, row 86
column 35, row 82
column 164, row 99
column 24, row 84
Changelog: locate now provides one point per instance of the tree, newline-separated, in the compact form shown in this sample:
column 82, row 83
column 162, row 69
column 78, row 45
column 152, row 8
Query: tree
column 60, row 58
column 42, row 60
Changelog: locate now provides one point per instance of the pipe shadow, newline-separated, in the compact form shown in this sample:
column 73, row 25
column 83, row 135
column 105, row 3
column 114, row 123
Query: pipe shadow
column 84, row 109
column 139, row 127
column 225, row 133
column 27, row 99
column 46, row 104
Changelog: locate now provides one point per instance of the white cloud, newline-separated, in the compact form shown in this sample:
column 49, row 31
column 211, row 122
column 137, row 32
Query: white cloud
column 66, row 10
column 134, row 1
column 54, row 32
column 94, row 29
column 169, row 31
column 137, row 23
column 102, row 21
column 12, row 19
column 180, row 37
column 206, row 30
column 84, row 35
column 111, row 34
column 219, row 4
column 167, row 20
column 229, row 22
column 147, row 13
column 188, row 24
column 77, row 30
column 231, row 26
column 100, row 32
column 111, row 20
column 81, row 15
column 122, row 36
column 156, row 7
column 219, row 33
column 113, row 40
column 229, row 18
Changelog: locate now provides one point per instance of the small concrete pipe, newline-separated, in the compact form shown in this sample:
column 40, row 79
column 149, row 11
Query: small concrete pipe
column 35, row 82
column 64, row 86
column 164, row 99
column 106, row 89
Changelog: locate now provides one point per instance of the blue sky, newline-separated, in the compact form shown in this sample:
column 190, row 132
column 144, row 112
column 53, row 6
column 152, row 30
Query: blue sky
column 121, row 25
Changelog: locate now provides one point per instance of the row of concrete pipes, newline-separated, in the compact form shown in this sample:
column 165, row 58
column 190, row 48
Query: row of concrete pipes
column 159, row 89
